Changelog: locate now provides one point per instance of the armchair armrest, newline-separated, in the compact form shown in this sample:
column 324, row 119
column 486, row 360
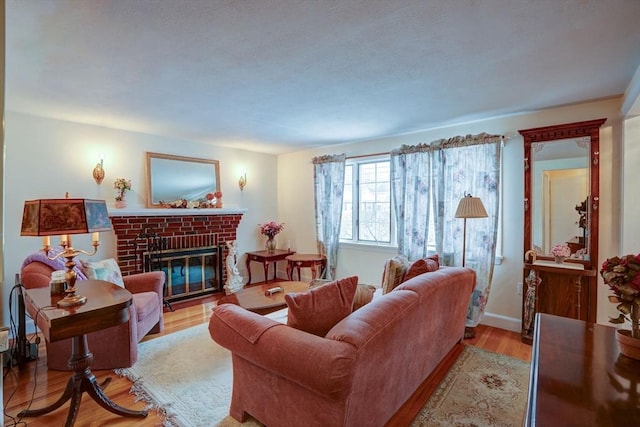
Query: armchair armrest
column 152, row 281
column 322, row 365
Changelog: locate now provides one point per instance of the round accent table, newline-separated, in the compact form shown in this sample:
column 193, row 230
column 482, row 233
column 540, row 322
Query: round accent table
column 312, row 261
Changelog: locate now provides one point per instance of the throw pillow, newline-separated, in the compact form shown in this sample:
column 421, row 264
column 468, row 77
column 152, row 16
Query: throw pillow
column 107, row 270
column 424, row 265
column 394, row 270
column 363, row 296
column 319, row 309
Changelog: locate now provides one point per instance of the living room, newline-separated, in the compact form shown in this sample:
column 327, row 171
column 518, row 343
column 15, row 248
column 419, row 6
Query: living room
column 46, row 157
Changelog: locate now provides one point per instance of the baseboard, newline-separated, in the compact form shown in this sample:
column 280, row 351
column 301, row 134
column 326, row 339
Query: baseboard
column 502, row 322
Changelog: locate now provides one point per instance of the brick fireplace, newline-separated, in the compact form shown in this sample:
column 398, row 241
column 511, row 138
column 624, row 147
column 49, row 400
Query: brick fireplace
column 175, row 239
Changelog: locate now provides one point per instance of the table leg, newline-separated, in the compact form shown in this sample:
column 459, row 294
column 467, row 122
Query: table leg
column 248, row 262
column 289, row 270
column 82, row 380
column 265, row 265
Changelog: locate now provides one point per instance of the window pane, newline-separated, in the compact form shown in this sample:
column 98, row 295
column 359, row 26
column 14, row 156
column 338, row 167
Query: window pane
column 374, row 211
column 346, row 225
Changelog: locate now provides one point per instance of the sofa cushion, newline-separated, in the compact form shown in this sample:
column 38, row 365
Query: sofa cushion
column 363, row 296
column 423, row 265
column 394, row 270
column 107, row 270
column 319, row 309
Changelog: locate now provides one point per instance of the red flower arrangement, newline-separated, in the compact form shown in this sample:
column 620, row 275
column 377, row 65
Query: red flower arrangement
column 271, row 228
column 622, row 274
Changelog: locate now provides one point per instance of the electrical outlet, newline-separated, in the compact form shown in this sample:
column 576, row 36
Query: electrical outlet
column 519, row 288
column 4, row 338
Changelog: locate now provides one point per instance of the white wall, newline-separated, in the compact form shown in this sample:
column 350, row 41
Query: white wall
column 46, row 158
column 631, row 192
column 295, row 198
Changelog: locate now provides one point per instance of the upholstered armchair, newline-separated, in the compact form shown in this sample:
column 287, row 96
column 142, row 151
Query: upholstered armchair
column 117, row 346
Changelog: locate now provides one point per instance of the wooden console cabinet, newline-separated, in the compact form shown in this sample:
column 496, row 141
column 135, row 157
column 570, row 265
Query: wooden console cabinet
column 561, row 291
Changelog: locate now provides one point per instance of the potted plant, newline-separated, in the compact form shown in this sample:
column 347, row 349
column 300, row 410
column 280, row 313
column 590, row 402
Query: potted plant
column 622, row 275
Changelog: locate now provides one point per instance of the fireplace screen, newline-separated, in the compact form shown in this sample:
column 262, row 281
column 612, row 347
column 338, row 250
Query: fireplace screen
column 190, row 272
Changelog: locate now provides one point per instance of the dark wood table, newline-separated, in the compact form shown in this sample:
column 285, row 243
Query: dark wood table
column 313, row 261
column 579, row 378
column 266, row 258
column 254, row 299
column 106, row 306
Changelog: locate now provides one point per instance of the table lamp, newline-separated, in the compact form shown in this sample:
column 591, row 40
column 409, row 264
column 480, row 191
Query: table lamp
column 65, row 217
column 469, row 207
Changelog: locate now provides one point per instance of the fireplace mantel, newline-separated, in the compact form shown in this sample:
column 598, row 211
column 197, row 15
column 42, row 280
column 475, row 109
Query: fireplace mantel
column 174, row 212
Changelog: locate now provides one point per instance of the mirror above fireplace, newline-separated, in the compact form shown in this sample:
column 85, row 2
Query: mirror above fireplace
column 171, row 178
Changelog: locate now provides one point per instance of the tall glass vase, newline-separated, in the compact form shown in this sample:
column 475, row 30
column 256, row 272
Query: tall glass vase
column 271, row 244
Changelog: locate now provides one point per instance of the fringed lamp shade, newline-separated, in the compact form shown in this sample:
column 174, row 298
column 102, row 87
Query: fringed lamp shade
column 49, row 217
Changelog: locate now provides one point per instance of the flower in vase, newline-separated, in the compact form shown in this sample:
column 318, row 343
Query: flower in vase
column 561, row 250
column 122, row 185
column 271, row 229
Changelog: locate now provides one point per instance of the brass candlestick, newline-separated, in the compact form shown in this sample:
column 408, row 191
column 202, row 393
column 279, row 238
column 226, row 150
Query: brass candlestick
column 69, row 253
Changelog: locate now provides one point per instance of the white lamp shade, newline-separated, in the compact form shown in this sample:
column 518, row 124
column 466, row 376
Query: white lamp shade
column 471, row 207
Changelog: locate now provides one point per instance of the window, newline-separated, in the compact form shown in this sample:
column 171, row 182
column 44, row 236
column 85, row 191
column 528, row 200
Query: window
column 366, row 207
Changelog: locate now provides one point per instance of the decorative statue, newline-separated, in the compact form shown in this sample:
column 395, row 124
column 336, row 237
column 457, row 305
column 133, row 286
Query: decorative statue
column 234, row 279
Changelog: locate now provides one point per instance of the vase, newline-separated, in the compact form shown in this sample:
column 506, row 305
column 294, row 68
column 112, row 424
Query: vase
column 629, row 340
column 559, row 259
column 271, row 244
column 628, row 345
column 218, row 202
column 121, row 204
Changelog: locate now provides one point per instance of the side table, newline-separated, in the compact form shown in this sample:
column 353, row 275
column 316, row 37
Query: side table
column 313, row 261
column 107, row 305
column 267, row 257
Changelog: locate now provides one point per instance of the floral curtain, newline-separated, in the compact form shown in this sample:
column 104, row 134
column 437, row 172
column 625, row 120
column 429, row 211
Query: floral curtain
column 412, row 184
column 470, row 165
column 428, row 182
column 328, row 177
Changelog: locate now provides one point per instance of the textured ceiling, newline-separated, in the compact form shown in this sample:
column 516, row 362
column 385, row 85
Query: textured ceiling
column 281, row 75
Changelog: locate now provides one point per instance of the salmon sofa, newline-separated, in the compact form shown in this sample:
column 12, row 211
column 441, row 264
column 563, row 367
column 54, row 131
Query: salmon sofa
column 361, row 372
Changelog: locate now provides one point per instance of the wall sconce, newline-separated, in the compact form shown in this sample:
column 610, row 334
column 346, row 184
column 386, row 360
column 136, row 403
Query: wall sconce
column 242, row 182
column 98, row 171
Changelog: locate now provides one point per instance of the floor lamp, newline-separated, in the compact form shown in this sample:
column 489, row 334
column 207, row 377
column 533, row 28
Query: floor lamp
column 469, row 207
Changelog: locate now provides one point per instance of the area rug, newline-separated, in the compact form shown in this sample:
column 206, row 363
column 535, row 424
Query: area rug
column 187, row 377
column 482, row 389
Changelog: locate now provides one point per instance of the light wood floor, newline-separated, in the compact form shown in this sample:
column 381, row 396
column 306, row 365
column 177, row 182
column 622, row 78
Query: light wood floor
column 34, row 383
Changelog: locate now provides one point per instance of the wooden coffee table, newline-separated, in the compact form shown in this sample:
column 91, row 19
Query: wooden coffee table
column 253, row 298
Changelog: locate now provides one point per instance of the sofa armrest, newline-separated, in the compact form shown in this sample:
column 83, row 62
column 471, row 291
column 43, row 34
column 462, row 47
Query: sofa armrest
column 152, row 281
column 318, row 364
